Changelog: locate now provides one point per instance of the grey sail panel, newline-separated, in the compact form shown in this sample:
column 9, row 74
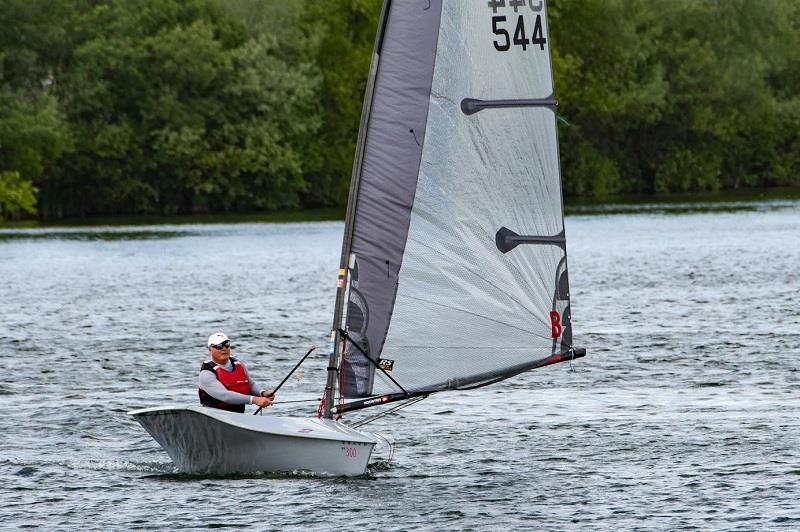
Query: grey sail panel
column 396, row 130
column 465, row 311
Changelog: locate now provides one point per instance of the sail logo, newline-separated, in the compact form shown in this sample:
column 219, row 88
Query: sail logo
column 376, row 401
column 555, row 324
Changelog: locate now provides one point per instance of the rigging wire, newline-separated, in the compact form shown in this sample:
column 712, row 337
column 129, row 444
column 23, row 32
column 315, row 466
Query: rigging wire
column 298, row 401
column 377, row 366
column 387, row 412
column 260, row 411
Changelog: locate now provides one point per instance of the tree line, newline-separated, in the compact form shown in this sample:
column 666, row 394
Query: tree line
column 180, row 106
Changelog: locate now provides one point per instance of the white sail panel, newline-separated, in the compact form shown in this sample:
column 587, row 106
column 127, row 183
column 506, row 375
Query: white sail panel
column 464, row 311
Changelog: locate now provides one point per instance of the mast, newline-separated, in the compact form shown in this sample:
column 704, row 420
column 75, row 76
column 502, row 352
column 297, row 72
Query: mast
column 352, row 199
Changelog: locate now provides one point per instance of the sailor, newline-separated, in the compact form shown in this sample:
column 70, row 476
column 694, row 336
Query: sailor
column 224, row 382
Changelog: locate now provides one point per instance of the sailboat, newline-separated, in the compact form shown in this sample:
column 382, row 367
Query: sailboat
column 453, row 271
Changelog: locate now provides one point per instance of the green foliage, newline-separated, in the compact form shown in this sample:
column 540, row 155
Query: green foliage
column 17, row 195
column 178, row 109
column 32, row 133
column 347, row 30
column 33, row 136
column 675, row 96
column 168, row 106
column 164, row 106
column 333, row 40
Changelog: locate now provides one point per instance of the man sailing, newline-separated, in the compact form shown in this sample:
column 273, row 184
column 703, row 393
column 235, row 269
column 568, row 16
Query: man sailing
column 224, row 382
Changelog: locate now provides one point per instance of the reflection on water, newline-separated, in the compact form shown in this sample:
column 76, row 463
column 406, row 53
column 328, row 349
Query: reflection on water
column 681, row 208
column 102, row 233
column 126, row 222
column 697, row 202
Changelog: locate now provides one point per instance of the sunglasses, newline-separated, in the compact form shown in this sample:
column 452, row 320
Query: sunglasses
column 223, row 345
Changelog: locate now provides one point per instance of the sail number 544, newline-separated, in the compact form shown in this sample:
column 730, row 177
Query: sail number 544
column 504, row 41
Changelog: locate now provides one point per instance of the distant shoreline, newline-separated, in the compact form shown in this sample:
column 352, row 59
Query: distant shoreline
column 284, row 216
column 676, row 202
column 722, row 200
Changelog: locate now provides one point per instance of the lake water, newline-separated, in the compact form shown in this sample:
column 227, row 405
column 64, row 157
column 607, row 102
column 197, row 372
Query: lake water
column 685, row 414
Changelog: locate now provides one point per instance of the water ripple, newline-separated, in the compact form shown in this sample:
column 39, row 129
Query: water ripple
column 684, row 415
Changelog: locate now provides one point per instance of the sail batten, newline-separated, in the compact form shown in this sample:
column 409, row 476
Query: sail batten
column 470, row 106
column 460, row 273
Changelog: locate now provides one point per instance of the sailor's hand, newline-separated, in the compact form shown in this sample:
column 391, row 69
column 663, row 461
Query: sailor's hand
column 268, row 393
column 263, row 402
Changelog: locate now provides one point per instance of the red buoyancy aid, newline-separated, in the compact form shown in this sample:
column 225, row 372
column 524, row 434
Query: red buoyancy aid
column 235, row 381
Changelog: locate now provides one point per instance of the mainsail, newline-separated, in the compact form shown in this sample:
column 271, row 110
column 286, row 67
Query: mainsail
column 455, row 252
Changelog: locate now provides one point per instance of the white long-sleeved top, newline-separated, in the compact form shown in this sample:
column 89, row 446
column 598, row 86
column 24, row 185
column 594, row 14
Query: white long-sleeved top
column 209, row 383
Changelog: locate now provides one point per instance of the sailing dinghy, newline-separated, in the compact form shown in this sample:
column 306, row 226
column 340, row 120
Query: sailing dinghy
column 453, row 271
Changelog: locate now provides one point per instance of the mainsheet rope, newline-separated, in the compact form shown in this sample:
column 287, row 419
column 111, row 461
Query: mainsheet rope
column 286, row 378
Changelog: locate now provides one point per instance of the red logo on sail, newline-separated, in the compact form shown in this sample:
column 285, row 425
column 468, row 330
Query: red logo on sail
column 555, row 324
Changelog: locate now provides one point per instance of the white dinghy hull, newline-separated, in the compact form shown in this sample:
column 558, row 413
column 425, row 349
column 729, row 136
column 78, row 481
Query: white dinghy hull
column 210, row 441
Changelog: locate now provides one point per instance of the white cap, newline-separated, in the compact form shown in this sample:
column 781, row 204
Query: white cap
column 217, row 338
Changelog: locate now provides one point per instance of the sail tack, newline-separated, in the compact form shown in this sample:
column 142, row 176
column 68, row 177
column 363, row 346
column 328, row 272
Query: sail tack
column 458, row 272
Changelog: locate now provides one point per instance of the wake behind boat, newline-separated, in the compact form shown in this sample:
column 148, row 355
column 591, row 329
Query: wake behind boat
column 453, row 272
column 207, row 440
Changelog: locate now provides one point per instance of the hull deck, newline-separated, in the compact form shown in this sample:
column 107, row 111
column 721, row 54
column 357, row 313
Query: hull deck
column 206, row 440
